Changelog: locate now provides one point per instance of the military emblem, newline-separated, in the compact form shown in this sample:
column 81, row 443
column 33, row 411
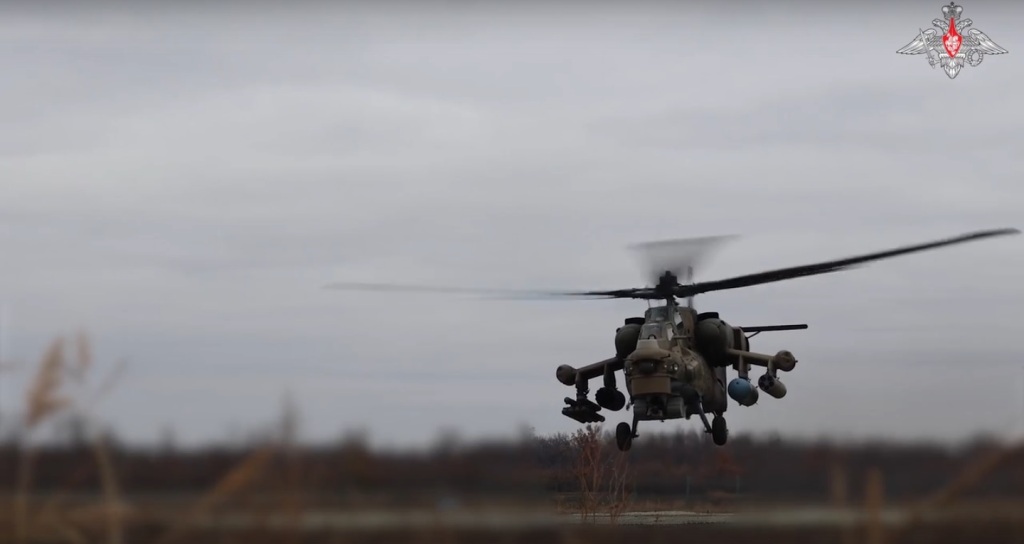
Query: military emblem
column 951, row 43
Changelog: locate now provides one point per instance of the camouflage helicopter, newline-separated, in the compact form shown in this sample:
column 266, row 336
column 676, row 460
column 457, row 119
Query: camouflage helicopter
column 674, row 359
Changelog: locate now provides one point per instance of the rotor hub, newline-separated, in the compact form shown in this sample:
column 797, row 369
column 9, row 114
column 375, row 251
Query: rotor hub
column 666, row 286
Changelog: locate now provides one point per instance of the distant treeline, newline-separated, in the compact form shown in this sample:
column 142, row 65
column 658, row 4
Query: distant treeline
column 679, row 466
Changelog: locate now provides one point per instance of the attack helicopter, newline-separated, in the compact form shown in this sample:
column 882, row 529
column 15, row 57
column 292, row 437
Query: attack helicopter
column 674, row 359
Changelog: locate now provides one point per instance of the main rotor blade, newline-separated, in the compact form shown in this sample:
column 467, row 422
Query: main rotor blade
column 829, row 266
column 501, row 293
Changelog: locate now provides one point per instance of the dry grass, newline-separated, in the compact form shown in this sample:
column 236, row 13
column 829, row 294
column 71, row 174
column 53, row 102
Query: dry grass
column 45, row 398
column 48, row 397
column 247, row 472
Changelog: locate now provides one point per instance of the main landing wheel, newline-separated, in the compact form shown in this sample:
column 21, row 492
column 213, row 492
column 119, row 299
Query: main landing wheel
column 623, row 436
column 719, row 431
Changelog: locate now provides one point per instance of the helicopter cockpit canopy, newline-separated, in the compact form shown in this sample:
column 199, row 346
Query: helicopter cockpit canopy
column 657, row 314
column 658, row 324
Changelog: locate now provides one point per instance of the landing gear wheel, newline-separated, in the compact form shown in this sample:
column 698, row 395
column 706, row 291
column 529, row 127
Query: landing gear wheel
column 719, row 431
column 610, row 399
column 623, row 436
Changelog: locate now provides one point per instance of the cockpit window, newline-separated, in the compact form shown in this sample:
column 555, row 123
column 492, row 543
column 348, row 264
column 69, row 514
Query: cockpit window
column 651, row 330
column 657, row 314
column 657, row 331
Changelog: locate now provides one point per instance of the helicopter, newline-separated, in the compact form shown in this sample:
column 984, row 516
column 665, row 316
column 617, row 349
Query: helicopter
column 674, row 360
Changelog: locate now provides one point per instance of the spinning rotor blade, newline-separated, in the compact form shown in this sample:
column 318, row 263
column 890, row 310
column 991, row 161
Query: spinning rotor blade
column 501, row 293
column 828, row 266
column 678, row 256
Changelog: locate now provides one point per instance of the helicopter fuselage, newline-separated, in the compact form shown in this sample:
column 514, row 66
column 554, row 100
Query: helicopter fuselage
column 666, row 378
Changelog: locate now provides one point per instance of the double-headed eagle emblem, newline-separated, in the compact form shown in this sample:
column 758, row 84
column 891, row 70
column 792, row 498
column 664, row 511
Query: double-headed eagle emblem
column 951, row 43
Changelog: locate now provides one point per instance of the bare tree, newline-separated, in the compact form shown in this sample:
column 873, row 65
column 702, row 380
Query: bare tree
column 602, row 474
column 620, row 488
column 586, row 445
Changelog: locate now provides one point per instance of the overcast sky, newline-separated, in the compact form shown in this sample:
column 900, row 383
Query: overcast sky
column 181, row 185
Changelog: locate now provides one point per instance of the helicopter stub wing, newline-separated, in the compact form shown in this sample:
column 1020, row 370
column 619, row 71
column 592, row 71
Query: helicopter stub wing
column 769, row 328
column 568, row 375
